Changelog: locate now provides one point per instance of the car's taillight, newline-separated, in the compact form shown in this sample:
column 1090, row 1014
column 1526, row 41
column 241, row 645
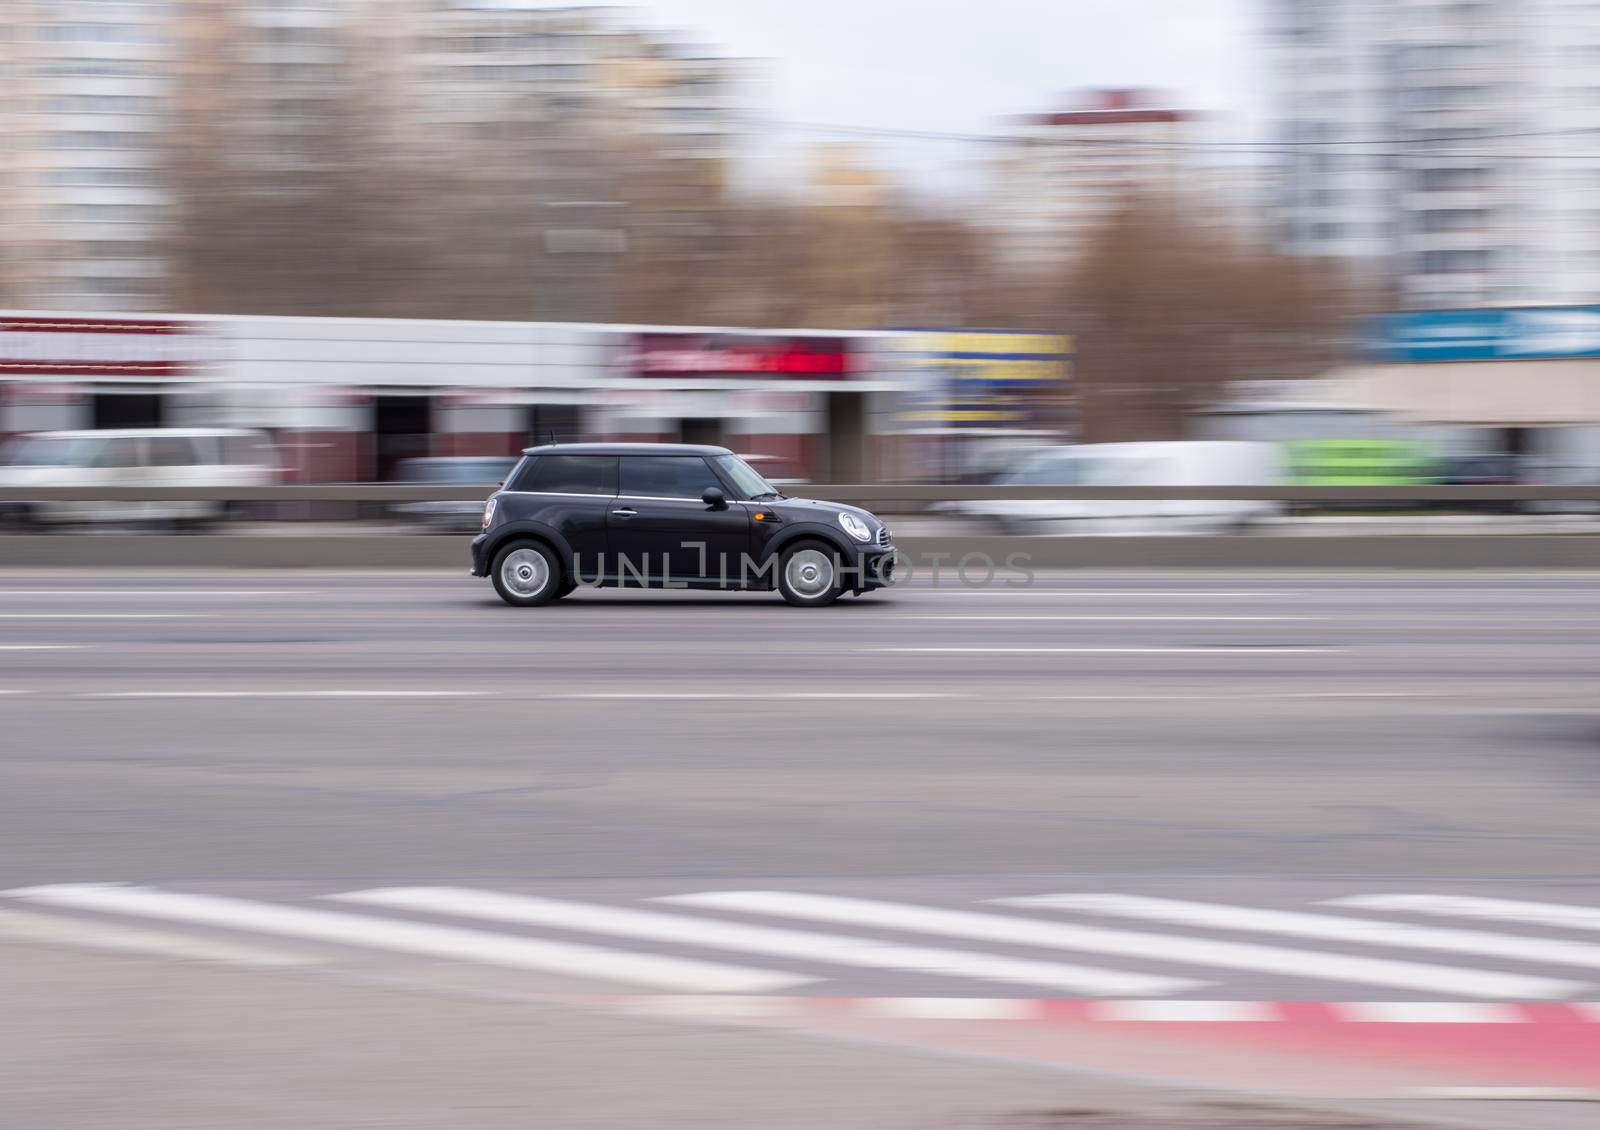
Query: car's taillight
column 488, row 513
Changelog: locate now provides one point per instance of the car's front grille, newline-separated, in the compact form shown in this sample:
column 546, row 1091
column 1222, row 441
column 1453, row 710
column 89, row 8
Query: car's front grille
column 883, row 537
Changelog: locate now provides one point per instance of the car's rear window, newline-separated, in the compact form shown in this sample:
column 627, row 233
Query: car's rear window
column 569, row 474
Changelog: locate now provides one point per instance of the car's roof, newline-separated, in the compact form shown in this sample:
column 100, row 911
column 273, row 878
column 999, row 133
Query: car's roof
column 626, row 449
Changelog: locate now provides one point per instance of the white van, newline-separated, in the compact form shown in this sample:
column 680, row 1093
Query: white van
column 1190, row 463
column 164, row 457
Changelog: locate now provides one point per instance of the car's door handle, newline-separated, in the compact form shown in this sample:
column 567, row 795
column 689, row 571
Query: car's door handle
column 625, row 512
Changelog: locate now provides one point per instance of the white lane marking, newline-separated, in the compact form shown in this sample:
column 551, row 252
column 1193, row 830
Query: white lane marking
column 1327, row 927
column 156, row 592
column 42, row 646
column 98, row 615
column 1007, row 930
column 1246, row 697
column 752, row 695
column 1100, row 593
column 835, row 949
column 1194, row 1012
column 284, row 694
column 510, row 951
column 1427, row 1012
column 948, row 1008
column 1467, row 906
column 1220, row 649
column 9, row 694
column 1124, row 619
column 48, row 929
column 1507, row 1094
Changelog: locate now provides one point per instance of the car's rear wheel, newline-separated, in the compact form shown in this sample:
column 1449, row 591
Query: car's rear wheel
column 527, row 574
column 808, row 574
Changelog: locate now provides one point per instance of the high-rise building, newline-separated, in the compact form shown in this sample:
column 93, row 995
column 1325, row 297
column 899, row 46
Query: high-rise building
column 100, row 101
column 1067, row 171
column 1452, row 146
column 84, row 92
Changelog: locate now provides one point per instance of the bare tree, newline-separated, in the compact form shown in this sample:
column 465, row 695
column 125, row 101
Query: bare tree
column 1168, row 311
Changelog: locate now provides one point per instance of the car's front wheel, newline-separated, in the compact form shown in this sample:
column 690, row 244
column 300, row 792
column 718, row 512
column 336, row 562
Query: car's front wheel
column 527, row 574
column 808, row 574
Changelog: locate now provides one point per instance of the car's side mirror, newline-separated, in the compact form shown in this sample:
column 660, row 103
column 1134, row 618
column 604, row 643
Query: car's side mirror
column 714, row 498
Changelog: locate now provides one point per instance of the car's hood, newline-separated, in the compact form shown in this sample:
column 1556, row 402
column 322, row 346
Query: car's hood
column 820, row 510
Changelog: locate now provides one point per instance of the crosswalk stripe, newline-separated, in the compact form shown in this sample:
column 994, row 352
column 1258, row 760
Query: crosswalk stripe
column 669, row 973
column 1328, row 927
column 767, row 941
column 1008, row 930
column 1465, row 906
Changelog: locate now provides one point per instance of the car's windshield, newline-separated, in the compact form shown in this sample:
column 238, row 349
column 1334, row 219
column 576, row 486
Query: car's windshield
column 48, row 451
column 745, row 478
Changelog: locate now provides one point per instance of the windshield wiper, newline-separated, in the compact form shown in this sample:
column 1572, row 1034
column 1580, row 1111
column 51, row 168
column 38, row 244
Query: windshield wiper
column 768, row 494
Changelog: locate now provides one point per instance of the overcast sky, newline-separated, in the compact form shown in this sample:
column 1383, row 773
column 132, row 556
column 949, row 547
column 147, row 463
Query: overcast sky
column 964, row 65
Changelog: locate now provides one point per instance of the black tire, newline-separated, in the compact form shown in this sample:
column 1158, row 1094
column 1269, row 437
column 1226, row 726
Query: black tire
column 567, row 589
column 526, row 574
column 808, row 574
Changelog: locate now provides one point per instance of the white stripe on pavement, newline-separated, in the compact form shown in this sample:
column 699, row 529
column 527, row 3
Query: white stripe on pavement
column 669, row 973
column 157, row 592
column 48, row 929
column 948, row 1008
column 835, row 949
column 1327, row 927
column 1192, row 1012
column 1008, row 930
column 1124, row 619
column 1467, row 906
column 1119, row 593
column 42, row 646
column 284, row 694
column 1426, row 1012
column 748, row 695
column 98, row 615
column 1220, row 649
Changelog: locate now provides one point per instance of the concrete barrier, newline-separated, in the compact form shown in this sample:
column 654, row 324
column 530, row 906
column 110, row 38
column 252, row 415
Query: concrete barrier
column 411, row 551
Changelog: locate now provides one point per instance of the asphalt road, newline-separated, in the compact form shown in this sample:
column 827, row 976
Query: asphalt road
column 1275, row 742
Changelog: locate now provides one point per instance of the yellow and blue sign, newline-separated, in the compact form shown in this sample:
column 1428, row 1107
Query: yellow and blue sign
column 989, row 378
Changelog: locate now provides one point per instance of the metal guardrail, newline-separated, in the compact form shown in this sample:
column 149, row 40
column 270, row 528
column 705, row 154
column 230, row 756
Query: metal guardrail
column 868, row 493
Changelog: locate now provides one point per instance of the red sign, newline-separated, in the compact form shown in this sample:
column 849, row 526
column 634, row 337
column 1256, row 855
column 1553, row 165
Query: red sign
column 738, row 355
column 100, row 347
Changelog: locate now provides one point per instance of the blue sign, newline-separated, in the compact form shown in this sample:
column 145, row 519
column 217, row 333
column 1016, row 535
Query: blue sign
column 1509, row 334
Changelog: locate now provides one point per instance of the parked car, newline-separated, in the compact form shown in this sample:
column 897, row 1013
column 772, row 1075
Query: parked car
column 669, row 516
column 161, row 457
column 1179, row 463
column 456, row 470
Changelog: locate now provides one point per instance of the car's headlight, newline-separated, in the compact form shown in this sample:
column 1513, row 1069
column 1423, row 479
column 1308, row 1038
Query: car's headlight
column 855, row 527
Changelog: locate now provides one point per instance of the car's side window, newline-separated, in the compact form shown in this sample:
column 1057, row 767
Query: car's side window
column 119, row 453
column 570, row 474
column 667, row 476
column 172, row 451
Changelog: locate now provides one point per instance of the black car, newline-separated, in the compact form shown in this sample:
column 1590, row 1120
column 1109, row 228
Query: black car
column 660, row 515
